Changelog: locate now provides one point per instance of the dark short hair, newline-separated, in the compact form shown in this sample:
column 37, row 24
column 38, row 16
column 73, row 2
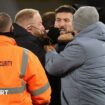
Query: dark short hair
column 48, row 19
column 65, row 8
column 4, row 20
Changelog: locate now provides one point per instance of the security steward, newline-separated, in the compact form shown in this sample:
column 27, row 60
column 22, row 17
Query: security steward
column 22, row 77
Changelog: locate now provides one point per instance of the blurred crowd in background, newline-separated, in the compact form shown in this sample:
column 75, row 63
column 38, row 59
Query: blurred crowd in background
column 12, row 6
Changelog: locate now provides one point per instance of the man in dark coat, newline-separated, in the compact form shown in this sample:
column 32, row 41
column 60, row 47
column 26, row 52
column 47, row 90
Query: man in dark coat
column 28, row 32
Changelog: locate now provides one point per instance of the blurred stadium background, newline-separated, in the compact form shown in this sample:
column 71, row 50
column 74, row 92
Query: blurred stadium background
column 12, row 6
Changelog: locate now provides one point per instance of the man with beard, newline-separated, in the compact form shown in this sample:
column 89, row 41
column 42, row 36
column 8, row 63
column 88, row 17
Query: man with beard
column 28, row 30
column 63, row 21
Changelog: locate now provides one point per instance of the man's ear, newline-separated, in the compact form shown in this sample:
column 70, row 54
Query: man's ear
column 29, row 29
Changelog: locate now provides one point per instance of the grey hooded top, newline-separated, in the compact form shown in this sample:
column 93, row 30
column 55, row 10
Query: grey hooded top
column 82, row 67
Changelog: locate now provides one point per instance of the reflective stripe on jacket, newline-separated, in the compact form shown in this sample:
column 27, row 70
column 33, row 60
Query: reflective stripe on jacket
column 22, row 79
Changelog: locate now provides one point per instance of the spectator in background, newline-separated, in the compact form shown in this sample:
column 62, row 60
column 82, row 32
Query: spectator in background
column 48, row 20
column 82, row 63
column 63, row 21
column 29, row 32
column 22, row 78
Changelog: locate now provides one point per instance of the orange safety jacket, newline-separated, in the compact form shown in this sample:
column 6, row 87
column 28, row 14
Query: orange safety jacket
column 22, row 78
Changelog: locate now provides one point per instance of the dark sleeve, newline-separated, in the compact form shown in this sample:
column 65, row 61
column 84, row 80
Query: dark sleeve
column 32, row 46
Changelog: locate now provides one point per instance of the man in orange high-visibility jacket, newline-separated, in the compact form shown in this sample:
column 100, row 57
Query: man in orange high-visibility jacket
column 22, row 77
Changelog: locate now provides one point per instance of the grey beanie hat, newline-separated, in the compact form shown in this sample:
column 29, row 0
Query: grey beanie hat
column 85, row 16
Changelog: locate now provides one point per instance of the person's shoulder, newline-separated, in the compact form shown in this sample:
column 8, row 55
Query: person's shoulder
column 78, row 41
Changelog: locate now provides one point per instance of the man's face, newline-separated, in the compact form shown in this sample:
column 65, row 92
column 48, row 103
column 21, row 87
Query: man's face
column 64, row 22
column 36, row 27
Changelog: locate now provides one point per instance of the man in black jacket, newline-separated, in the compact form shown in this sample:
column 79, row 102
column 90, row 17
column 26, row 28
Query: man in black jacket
column 28, row 30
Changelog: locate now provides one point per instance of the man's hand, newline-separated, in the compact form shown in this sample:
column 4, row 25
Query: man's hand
column 65, row 37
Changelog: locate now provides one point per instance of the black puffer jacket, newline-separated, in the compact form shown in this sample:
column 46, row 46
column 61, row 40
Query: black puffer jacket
column 26, row 40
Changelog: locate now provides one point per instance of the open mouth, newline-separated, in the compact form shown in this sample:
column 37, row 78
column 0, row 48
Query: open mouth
column 62, row 31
